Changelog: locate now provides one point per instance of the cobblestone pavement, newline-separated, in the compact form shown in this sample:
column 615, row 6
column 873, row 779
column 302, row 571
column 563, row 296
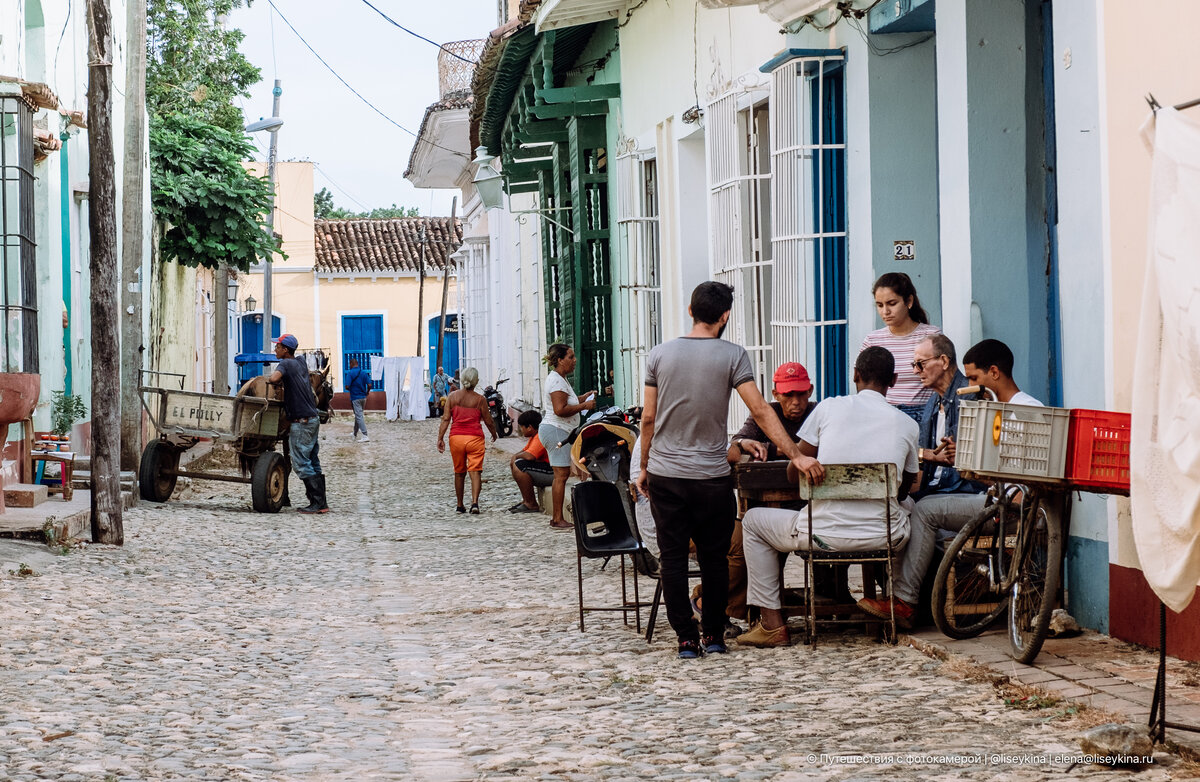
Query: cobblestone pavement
column 396, row 639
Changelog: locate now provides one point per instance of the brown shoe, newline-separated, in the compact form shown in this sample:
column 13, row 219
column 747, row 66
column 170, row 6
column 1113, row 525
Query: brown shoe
column 765, row 639
column 881, row 609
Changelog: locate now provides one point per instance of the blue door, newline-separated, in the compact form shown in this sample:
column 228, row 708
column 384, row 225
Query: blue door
column 362, row 337
column 252, row 332
column 449, row 358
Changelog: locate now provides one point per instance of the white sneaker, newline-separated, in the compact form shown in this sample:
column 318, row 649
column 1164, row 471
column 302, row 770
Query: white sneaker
column 365, row 439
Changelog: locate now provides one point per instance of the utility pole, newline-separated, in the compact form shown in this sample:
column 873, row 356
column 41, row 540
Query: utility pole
column 132, row 231
column 421, row 289
column 107, row 525
column 446, row 282
column 268, row 312
column 221, row 330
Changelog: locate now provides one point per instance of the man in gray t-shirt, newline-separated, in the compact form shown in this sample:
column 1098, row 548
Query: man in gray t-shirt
column 684, row 470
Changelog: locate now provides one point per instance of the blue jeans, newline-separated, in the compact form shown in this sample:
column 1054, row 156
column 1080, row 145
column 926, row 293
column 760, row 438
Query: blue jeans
column 303, row 444
column 915, row 412
column 360, row 423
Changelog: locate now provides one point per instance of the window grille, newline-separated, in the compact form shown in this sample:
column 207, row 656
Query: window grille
column 740, row 215
column 809, row 246
column 641, row 283
column 18, row 260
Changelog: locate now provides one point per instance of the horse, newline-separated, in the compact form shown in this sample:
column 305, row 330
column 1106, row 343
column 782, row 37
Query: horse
column 250, row 448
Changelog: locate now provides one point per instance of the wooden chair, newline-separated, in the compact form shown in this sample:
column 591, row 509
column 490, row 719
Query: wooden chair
column 850, row 482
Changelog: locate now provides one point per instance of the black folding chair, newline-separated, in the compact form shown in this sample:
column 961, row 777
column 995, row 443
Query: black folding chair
column 603, row 531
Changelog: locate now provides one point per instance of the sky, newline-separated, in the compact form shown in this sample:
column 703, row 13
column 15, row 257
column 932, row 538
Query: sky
column 360, row 156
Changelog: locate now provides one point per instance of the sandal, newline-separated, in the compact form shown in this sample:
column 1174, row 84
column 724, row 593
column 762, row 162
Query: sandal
column 561, row 527
column 461, row 509
column 474, row 508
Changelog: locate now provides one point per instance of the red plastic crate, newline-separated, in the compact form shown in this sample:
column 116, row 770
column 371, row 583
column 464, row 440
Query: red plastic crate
column 1098, row 451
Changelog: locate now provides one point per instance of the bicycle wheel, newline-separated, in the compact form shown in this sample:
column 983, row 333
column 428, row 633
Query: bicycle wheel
column 1035, row 590
column 965, row 598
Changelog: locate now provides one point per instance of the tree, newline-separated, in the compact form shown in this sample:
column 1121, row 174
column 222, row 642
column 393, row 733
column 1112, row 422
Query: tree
column 211, row 209
column 323, row 204
column 193, row 65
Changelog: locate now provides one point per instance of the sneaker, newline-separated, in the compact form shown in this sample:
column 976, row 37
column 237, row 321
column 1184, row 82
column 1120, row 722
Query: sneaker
column 689, row 650
column 765, row 639
column 883, row 610
column 713, row 645
column 732, row 630
column 364, row 438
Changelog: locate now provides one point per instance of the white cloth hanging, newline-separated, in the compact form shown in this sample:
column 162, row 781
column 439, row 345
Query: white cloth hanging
column 1165, row 442
column 403, row 387
column 376, row 368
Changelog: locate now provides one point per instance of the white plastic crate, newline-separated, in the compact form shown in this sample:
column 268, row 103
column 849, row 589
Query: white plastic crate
column 1018, row 442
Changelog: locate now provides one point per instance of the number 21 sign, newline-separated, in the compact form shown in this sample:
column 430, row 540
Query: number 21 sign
column 904, row 250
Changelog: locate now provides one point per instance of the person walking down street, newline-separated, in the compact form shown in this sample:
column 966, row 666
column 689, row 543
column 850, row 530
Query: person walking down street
column 561, row 408
column 684, row 470
column 300, row 406
column 440, row 385
column 358, row 384
column 465, row 410
column 905, row 325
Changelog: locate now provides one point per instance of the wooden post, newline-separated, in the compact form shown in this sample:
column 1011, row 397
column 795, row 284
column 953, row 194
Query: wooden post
column 133, row 203
column 220, row 333
column 421, row 289
column 446, row 283
column 107, row 526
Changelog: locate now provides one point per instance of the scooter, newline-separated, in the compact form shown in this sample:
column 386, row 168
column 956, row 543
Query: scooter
column 603, row 446
column 499, row 410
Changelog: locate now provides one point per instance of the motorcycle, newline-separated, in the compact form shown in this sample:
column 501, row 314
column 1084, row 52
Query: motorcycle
column 602, row 445
column 495, row 402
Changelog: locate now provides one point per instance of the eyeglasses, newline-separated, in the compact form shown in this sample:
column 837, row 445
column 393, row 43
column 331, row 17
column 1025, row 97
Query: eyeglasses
column 919, row 365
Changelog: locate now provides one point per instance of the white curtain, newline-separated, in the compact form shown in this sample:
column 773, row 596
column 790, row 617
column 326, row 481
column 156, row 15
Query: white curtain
column 1165, row 443
column 403, row 386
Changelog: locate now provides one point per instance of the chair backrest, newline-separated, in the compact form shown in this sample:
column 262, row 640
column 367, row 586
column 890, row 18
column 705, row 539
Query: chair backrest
column 875, row 481
column 602, row 527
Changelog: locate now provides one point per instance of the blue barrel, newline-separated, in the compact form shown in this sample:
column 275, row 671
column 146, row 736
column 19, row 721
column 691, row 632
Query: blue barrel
column 251, row 365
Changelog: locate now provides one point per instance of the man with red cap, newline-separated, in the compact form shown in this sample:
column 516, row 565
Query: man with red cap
column 793, row 403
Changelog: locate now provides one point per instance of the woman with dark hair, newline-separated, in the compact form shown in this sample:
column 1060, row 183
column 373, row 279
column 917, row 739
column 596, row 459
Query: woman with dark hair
column 905, row 325
column 466, row 409
column 560, row 414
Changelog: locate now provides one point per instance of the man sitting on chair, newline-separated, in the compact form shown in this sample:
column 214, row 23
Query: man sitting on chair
column 861, row 428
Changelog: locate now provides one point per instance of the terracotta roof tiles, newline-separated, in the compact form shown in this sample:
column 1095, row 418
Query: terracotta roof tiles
column 389, row 246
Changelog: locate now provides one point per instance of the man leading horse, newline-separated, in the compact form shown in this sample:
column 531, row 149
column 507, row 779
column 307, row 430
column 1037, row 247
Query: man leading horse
column 300, row 406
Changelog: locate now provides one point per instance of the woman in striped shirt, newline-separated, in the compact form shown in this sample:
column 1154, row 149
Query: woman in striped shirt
column 905, row 325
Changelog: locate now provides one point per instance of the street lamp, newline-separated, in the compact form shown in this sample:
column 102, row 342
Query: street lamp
column 250, row 303
column 271, row 124
column 489, row 183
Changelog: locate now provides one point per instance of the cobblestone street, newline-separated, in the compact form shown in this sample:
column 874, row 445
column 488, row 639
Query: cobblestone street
column 395, row 639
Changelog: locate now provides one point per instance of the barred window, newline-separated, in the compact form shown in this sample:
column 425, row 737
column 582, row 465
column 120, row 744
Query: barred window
column 18, row 260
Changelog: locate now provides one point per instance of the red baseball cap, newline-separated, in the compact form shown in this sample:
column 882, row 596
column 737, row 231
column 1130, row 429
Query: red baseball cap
column 791, row 377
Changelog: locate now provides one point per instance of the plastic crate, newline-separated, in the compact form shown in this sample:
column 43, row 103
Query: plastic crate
column 1098, row 451
column 1023, row 443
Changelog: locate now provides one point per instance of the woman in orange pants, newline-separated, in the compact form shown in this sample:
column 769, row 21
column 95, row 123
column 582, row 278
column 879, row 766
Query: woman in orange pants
column 465, row 410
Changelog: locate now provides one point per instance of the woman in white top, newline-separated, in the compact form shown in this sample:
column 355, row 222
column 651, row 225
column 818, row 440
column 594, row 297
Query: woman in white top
column 560, row 414
column 905, row 325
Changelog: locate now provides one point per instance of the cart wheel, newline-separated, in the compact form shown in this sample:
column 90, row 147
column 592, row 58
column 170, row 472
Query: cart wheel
column 269, row 482
column 156, row 472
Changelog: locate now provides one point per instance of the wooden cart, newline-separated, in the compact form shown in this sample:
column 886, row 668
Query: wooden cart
column 183, row 418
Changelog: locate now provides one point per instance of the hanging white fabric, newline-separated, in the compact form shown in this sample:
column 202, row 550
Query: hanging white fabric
column 1165, row 442
column 403, row 387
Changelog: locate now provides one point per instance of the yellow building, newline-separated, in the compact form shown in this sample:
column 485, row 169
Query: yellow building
column 351, row 288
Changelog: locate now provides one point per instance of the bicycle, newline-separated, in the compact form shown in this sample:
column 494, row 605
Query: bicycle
column 1008, row 558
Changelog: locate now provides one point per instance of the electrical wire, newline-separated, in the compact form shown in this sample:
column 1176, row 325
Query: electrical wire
column 274, row 62
column 341, row 189
column 880, row 52
column 345, row 83
column 61, row 35
column 418, row 35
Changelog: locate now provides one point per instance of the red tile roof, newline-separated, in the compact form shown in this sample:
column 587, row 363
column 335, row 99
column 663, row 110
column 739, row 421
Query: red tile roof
column 391, row 246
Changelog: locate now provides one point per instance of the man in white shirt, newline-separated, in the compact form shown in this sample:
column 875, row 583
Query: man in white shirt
column 990, row 364
column 842, row 430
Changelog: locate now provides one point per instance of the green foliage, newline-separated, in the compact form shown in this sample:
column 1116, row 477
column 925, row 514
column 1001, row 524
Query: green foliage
column 212, row 210
column 323, row 209
column 65, row 410
column 193, row 65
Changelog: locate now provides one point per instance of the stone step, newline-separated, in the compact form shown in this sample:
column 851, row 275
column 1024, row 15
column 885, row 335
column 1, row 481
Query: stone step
column 24, row 495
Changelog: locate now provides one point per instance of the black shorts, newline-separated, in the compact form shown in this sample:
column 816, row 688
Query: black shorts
column 541, row 472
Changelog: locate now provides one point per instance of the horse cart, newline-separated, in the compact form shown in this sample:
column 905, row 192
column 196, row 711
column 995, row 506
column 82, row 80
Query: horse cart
column 182, row 418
